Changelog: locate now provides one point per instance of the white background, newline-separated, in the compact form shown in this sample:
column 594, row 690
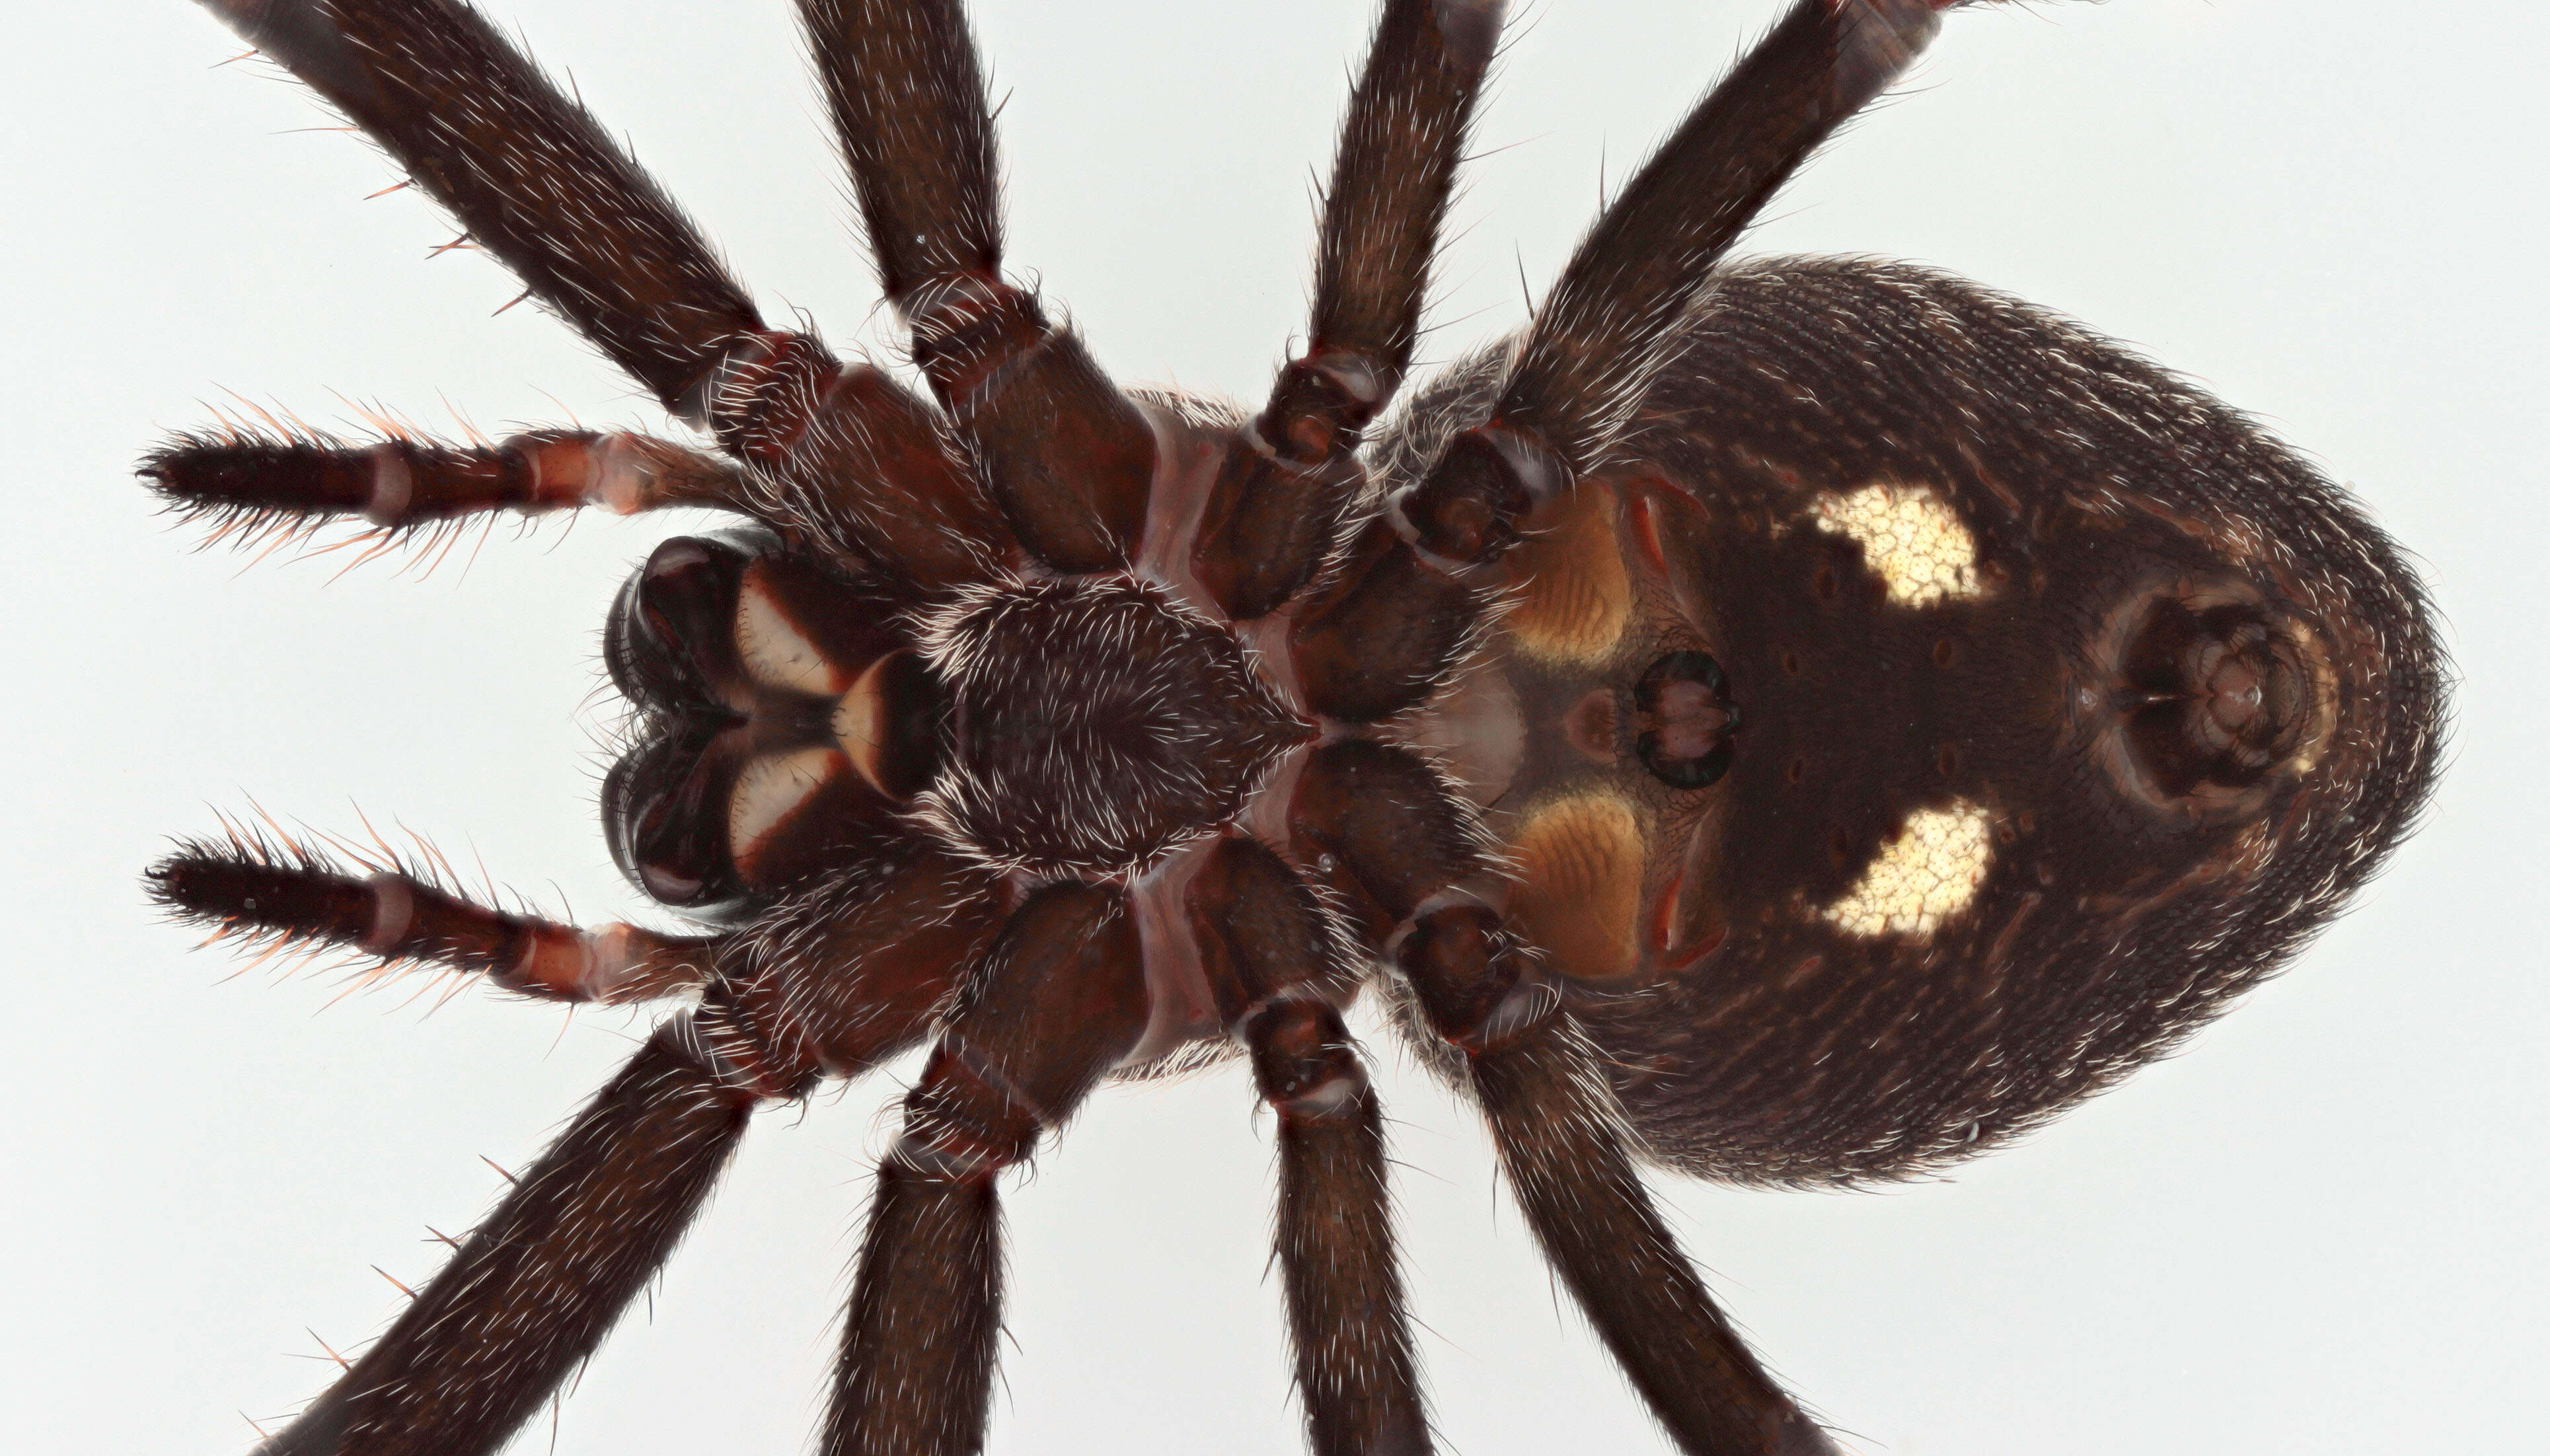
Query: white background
column 2317, row 1231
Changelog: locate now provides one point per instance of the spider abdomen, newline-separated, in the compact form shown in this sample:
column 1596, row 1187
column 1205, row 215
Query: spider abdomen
column 2030, row 670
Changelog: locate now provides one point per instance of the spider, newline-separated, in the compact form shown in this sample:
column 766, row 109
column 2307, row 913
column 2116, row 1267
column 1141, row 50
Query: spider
column 1797, row 721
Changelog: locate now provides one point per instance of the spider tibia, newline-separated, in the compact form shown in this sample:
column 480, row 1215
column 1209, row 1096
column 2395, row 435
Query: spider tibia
column 617, row 964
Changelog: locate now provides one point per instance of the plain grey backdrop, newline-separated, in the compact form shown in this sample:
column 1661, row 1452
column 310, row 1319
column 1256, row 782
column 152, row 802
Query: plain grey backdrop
column 2319, row 1229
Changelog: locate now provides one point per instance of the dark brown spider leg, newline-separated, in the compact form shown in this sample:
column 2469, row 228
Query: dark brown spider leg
column 843, row 979
column 1385, row 630
column 850, row 972
column 410, row 481
column 1068, row 455
column 1058, row 1001
column 1563, row 1143
column 1398, row 847
column 246, row 890
column 534, row 1287
column 842, row 452
column 1382, row 830
column 1280, row 976
column 1598, row 339
column 1609, row 322
column 1287, row 485
column 532, row 175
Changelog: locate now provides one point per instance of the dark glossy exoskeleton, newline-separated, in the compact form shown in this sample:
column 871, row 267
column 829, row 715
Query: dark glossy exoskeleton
column 1798, row 720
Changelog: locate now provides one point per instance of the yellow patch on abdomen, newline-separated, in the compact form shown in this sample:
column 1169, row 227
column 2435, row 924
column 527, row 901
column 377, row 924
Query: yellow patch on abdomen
column 1583, row 862
column 1928, row 873
column 1913, row 541
column 1575, row 596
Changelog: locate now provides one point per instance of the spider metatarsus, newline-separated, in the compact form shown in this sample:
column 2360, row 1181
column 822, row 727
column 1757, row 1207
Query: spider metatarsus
column 1794, row 722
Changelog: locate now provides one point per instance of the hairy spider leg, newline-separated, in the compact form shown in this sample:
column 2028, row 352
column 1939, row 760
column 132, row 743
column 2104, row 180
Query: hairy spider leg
column 252, row 890
column 1607, row 325
column 849, row 973
column 535, row 1286
column 839, row 454
column 243, row 480
column 1402, row 852
column 531, row 176
column 1290, row 482
column 1065, row 454
column 1279, row 973
column 1408, row 605
column 1053, row 1005
column 1561, row 1139
column 844, row 978
column 1592, row 351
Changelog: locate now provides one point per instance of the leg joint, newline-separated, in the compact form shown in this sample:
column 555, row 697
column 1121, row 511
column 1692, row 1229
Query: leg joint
column 1304, row 1060
column 1475, row 979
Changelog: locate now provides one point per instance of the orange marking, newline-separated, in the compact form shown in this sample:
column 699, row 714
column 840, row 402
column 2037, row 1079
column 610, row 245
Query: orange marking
column 771, row 794
column 777, row 651
column 1584, row 863
column 1575, row 588
column 1664, row 930
column 1660, row 916
column 1642, row 520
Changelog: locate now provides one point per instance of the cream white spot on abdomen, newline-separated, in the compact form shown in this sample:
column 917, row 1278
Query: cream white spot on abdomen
column 1913, row 541
column 1922, row 877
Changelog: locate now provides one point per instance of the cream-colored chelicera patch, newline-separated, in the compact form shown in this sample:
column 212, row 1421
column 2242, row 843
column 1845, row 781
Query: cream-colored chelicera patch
column 1915, row 541
column 771, row 789
column 775, row 652
column 1923, row 876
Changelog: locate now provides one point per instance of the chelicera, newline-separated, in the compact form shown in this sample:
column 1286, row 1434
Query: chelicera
column 1796, row 721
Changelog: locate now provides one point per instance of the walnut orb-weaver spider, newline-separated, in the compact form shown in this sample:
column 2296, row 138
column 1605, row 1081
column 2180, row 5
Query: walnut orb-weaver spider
column 1636, row 747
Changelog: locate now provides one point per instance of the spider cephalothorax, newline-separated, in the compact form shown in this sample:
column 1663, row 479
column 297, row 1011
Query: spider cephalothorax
column 1801, row 721
column 1095, row 725
column 1056, row 725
